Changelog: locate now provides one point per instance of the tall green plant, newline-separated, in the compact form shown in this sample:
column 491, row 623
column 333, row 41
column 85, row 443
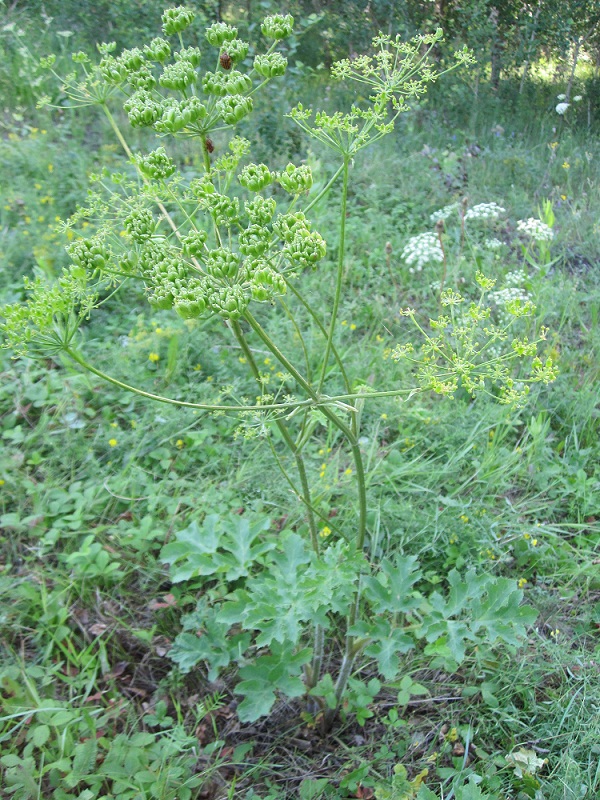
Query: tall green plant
column 221, row 244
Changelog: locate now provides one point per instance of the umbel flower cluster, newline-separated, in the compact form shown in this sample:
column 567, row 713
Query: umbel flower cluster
column 205, row 245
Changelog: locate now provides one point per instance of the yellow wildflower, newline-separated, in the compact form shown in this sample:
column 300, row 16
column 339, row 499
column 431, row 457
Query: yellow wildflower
column 153, row 357
column 112, row 442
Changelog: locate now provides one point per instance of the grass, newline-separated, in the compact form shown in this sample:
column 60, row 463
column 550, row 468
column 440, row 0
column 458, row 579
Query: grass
column 88, row 610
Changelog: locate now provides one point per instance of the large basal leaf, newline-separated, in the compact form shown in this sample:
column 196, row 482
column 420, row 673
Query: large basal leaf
column 478, row 609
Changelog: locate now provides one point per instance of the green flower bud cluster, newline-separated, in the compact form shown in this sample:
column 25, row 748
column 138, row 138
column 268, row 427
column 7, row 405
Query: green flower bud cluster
column 141, row 79
column 190, row 54
column 234, row 108
column 225, row 210
column 158, row 50
column 178, row 76
column 255, row 177
column 222, row 83
column 219, row 33
column 178, row 115
column 49, row 320
column 113, row 70
column 190, row 298
column 176, row 20
column 229, row 302
column 260, row 210
column 91, row 254
column 278, row 26
column 296, row 179
column 236, row 49
column 214, row 83
column 203, row 189
column 286, row 226
column 156, row 165
column 306, row 248
column 140, row 224
column 165, row 280
column 270, row 65
column 128, row 263
column 132, row 59
column 222, row 263
column 254, row 240
column 142, row 109
column 193, row 243
column 266, row 283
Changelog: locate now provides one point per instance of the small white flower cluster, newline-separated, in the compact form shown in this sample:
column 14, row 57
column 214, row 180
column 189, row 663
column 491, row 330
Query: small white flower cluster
column 516, row 278
column 561, row 108
column 502, row 297
column 536, row 229
column 443, row 213
column 561, row 97
column 484, row 211
column 493, row 244
column 421, row 250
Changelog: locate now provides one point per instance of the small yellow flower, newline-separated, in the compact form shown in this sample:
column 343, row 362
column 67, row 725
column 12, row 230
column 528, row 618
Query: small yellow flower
column 198, row 368
column 527, row 536
column 555, row 633
column 453, row 539
column 325, row 532
column 563, row 197
column 566, row 165
column 179, row 443
column 112, row 442
column 352, row 327
column 267, row 361
column 133, row 423
column 384, row 416
column 37, row 185
column 379, row 338
column 153, row 357
column 27, row 220
column 348, row 471
column 322, row 451
column 553, row 145
column 242, row 360
column 113, row 425
column 521, row 582
column 492, row 434
column 344, row 322
column 464, row 518
column 209, row 379
column 534, row 542
column 158, row 330
column 50, row 167
column 2, row 481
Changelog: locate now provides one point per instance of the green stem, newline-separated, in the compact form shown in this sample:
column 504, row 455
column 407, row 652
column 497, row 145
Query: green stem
column 333, row 417
column 300, row 466
column 324, row 190
column 323, row 330
column 75, row 356
column 340, row 271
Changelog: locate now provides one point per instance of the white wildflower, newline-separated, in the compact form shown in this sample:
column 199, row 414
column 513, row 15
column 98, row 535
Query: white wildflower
column 561, row 97
column 443, row 213
column 502, row 297
column 421, row 250
column 536, row 229
column 493, row 244
column 561, row 108
column 578, row 98
column 516, row 278
column 484, row 211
